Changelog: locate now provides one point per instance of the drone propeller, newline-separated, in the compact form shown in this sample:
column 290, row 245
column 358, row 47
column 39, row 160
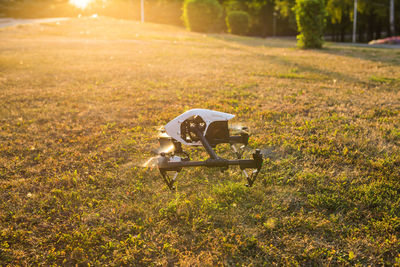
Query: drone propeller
column 166, row 147
column 151, row 162
column 160, row 128
column 238, row 127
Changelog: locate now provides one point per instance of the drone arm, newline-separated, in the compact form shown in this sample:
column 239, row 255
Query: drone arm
column 205, row 143
column 243, row 163
column 243, row 138
column 254, row 163
column 165, row 166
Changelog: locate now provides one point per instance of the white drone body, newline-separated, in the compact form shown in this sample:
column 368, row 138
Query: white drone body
column 207, row 128
column 173, row 128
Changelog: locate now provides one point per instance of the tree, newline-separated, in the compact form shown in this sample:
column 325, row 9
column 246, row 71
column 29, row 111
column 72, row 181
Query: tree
column 237, row 22
column 310, row 18
column 339, row 13
column 202, row 15
column 286, row 10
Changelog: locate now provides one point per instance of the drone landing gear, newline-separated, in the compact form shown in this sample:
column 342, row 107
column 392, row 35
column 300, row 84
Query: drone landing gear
column 168, row 180
column 238, row 152
column 253, row 175
column 250, row 178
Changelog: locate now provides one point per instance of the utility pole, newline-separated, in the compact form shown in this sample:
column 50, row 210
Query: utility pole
column 392, row 28
column 355, row 21
column 142, row 11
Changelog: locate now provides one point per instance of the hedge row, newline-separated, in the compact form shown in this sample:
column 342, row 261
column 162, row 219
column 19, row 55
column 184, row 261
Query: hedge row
column 205, row 16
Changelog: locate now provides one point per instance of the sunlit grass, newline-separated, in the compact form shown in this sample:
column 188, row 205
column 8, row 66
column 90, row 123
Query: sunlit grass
column 81, row 103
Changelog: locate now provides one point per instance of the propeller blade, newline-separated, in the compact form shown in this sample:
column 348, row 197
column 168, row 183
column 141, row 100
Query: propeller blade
column 238, row 127
column 160, row 128
column 130, row 164
column 151, row 162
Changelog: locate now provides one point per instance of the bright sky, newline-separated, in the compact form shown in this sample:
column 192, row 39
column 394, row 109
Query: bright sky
column 80, row 3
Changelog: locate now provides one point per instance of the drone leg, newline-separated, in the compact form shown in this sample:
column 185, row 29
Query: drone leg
column 247, row 177
column 176, row 174
column 236, row 151
column 251, row 178
column 168, row 180
column 239, row 153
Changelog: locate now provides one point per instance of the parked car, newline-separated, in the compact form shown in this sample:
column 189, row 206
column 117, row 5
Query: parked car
column 390, row 40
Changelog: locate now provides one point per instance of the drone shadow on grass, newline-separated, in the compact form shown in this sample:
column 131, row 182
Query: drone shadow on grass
column 284, row 61
column 283, row 42
column 374, row 54
column 323, row 74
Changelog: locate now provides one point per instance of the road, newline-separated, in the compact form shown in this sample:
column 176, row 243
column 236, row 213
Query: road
column 7, row 22
column 368, row 45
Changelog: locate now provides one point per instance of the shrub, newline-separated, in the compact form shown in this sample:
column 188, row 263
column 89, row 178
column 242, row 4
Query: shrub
column 202, row 15
column 310, row 17
column 238, row 22
column 234, row 5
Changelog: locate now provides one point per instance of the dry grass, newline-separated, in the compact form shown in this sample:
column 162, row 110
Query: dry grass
column 82, row 99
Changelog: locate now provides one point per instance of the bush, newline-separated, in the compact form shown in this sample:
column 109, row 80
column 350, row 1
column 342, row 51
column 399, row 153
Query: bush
column 310, row 17
column 202, row 15
column 238, row 22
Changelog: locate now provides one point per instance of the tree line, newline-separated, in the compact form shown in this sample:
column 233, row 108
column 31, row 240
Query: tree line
column 265, row 17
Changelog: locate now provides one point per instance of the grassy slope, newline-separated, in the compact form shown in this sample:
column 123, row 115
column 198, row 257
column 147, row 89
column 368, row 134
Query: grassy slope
column 82, row 99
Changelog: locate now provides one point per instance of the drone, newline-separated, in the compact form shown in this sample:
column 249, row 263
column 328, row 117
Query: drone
column 207, row 128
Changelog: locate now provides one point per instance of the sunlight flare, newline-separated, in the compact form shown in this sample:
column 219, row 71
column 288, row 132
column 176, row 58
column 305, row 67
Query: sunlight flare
column 82, row 4
column 169, row 149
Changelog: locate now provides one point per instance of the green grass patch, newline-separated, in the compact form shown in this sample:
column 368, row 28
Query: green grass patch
column 384, row 80
column 81, row 102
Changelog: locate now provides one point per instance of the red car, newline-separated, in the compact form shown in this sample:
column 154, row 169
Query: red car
column 390, row 40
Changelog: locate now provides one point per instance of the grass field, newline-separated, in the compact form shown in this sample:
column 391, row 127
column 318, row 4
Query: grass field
column 80, row 104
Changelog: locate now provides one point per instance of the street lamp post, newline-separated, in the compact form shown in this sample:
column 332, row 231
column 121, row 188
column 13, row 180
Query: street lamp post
column 355, row 21
column 142, row 11
column 392, row 28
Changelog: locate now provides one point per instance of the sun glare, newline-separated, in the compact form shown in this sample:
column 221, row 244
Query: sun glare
column 82, row 4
